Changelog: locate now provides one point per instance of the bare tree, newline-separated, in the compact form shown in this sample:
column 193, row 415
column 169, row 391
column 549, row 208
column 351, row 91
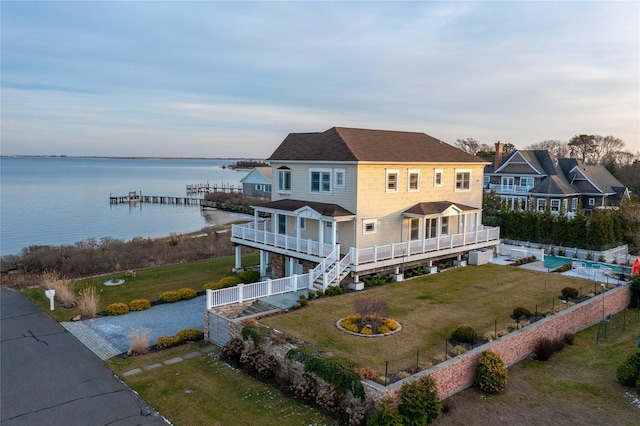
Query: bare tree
column 557, row 148
column 468, row 145
column 606, row 147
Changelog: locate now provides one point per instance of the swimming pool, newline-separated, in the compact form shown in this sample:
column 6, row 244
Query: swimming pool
column 553, row 262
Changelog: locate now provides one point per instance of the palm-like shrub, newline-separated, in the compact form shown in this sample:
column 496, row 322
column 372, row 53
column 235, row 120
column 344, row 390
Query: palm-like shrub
column 491, row 375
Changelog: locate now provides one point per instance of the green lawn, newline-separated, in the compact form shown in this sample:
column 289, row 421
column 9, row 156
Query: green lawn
column 429, row 308
column 147, row 284
column 206, row 391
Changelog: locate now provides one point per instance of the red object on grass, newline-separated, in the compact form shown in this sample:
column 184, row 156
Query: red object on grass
column 636, row 267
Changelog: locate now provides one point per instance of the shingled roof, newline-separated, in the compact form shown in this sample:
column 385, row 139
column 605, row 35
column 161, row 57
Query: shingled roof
column 348, row 144
column 324, row 209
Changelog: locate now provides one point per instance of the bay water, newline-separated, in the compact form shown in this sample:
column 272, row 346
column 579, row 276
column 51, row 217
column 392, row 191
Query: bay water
column 62, row 200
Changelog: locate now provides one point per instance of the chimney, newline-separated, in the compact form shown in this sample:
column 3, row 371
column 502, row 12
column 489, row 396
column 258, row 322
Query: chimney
column 497, row 162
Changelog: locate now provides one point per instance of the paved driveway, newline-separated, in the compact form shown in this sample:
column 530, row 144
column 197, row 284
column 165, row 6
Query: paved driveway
column 47, row 377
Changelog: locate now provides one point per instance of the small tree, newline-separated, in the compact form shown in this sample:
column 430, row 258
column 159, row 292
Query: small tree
column 491, row 375
column 628, row 372
column 420, row 402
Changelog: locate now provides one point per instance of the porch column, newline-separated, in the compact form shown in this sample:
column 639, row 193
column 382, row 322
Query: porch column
column 321, row 231
column 263, row 263
column 238, row 257
column 438, row 231
column 334, row 231
column 291, row 266
column 255, row 220
column 462, row 222
column 298, row 233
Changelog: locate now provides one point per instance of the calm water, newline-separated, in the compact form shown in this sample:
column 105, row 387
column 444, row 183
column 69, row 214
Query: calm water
column 54, row 201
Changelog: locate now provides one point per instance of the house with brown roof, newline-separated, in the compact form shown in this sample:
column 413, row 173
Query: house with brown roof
column 349, row 202
column 533, row 179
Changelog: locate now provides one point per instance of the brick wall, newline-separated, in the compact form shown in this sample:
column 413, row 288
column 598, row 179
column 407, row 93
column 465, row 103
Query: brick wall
column 458, row 373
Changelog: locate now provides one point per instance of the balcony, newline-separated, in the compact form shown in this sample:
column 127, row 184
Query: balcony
column 510, row 189
column 369, row 257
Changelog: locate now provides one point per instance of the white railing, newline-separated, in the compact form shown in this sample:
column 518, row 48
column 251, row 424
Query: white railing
column 418, row 247
column 334, row 273
column 248, row 233
column 512, row 189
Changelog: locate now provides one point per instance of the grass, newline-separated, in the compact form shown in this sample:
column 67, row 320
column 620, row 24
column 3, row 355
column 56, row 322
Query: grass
column 576, row 386
column 206, row 391
column 429, row 308
column 147, row 284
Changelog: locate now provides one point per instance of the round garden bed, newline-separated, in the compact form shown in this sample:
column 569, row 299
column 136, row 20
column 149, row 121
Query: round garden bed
column 368, row 326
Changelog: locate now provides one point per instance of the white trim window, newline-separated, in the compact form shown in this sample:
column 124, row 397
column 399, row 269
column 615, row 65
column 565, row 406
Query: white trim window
column 526, row 181
column 431, row 228
column 574, row 204
column 392, row 180
column 282, row 224
column 592, row 201
column 555, row 205
column 413, row 180
column 414, row 229
column 284, row 180
column 541, row 204
column 444, row 225
column 463, row 180
column 320, row 180
column 339, row 177
column 437, row 177
column 302, row 223
column 369, row 226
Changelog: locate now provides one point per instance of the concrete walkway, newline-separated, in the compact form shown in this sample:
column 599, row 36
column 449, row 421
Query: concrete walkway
column 170, row 361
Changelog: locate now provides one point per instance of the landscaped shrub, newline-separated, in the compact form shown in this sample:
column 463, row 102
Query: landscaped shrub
column 635, row 292
column 249, row 277
column 464, row 334
column 311, row 294
column 211, row 286
column 88, row 301
column 457, row 350
column 563, row 268
column 628, row 372
column 169, row 296
column 569, row 293
column 366, row 373
column 63, row 287
column 521, row 312
column 491, row 375
column 187, row 293
column 546, row 347
column 333, row 290
column 164, row 342
column 139, row 305
column 419, row 402
column 229, row 281
column 368, row 307
column 303, row 300
column 139, row 338
column 189, row 335
column 117, row 309
column 386, row 414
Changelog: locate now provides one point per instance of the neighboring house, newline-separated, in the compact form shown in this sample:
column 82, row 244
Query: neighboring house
column 533, row 179
column 257, row 183
column 356, row 201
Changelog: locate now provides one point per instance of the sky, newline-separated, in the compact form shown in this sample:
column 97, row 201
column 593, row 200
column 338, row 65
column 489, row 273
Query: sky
column 232, row 79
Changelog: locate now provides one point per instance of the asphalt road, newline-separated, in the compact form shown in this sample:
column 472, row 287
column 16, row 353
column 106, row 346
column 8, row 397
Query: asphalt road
column 47, row 377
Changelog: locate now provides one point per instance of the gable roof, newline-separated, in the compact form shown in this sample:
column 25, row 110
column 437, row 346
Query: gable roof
column 348, row 144
column 324, row 209
column 258, row 175
column 436, row 208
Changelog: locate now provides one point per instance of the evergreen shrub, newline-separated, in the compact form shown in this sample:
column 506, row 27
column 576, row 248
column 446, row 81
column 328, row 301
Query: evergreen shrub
column 249, row 276
column 169, row 297
column 464, row 334
column 164, row 342
column 118, row 308
column 491, row 375
column 139, row 305
column 628, row 372
column 189, row 335
column 569, row 293
column 187, row 293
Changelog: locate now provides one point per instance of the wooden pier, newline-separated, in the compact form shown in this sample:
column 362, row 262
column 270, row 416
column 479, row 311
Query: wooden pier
column 204, row 188
column 134, row 197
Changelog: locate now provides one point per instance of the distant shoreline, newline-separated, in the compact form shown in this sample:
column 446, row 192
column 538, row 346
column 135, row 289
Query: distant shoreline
column 125, row 157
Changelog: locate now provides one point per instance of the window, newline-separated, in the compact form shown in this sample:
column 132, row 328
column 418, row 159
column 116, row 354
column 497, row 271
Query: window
column 555, row 206
column 542, row 204
column 320, row 180
column 415, row 229
column 526, row 181
column 414, row 180
column 369, row 226
column 258, row 187
column 339, row 177
column 485, row 181
column 392, row 180
column 282, row 224
column 432, row 228
column 445, row 226
column 463, row 180
column 284, row 179
column 302, row 223
column 267, row 188
column 507, row 183
column 437, row 177
column 574, row 204
column 592, row 201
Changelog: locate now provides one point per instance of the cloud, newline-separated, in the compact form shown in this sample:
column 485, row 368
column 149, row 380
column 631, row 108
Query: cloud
column 174, row 78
